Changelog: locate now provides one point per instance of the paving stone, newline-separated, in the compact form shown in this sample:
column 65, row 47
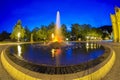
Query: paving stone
column 114, row 73
column 3, row 74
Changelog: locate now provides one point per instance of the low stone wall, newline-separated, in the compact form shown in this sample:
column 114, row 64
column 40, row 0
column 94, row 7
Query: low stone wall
column 95, row 73
column 101, row 72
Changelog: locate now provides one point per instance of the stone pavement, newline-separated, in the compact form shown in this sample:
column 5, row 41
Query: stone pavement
column 3, row 74
column 114, row 73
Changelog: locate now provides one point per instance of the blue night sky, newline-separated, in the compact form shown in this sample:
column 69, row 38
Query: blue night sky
column 35, row 13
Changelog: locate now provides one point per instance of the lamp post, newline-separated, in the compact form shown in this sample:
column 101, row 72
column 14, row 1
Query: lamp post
column 18, row 36
column 87, row 37
column 67, row 39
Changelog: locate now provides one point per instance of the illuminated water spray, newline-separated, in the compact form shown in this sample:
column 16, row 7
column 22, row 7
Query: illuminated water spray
column 58, row 35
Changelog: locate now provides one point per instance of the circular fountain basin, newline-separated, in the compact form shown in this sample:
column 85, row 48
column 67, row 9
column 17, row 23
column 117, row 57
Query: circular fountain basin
column 21, row 68
column 76, row 53
column 72, row 58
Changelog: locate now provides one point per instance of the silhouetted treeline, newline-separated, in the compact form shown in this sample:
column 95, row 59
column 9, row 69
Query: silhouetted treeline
column 106, row 28
column 4, row 36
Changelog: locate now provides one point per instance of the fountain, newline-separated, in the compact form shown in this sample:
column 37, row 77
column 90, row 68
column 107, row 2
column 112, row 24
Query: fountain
column 57, row 38
column 58, row 53
column 58, row 35
column 54, row 59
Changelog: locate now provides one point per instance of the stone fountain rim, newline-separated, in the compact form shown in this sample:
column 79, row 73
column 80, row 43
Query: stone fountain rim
column 27, row 74
column 18, row 62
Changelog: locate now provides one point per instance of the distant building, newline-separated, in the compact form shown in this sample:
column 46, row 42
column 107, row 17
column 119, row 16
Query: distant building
column 115, row 19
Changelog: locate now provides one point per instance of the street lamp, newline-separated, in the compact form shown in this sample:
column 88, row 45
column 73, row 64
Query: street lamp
column 18, row 36
column 87, row 37
column 67, row 39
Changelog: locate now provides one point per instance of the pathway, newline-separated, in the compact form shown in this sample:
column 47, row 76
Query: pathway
column 3, row 74
column 114, row 73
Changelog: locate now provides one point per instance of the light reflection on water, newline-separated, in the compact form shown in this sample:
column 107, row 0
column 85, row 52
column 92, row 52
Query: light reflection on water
column 19, row 48
column 55, row 54
column 69, row 55
column 92, row 46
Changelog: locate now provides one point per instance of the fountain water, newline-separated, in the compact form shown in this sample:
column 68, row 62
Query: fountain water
column 57, row 38
column 58, row 35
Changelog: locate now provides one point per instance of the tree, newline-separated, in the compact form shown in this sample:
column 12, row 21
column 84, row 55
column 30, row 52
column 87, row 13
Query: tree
column 41, row 35
column 4, row 35
column 27, row 33
column 75, row 31
column 68, row 35
column 86, row 30
column 18, row 29
column 51, row 29
column 31, row 37
column 64, row 30
column 34, row 35
column 51, row 25
column 91, row 32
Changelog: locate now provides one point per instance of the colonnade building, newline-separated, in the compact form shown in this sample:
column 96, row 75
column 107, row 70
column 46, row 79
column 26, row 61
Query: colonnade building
column 115, row 19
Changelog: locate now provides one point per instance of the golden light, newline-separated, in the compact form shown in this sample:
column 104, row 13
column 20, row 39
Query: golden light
column 18, row 36
column 95, row 46
column 67, row 39
column 19, row 50
column 53, row 35
column 54, row 39
column 87, row 37
column 53, row 52
column 91, row 45
column 87, row 46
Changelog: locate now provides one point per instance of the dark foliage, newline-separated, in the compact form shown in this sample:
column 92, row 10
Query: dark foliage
column 4, row 36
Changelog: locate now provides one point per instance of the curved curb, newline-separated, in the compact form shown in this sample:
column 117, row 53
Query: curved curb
column 100, row 73
column 20, row 73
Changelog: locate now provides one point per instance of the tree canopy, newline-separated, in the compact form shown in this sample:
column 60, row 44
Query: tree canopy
column 18, row 29
column 43, row 33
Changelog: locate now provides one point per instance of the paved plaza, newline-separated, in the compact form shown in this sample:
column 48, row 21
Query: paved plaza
column 3, row 74
column 114, row 74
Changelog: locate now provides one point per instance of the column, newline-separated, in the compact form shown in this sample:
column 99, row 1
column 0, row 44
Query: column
column 117, row 10
column 114, row 27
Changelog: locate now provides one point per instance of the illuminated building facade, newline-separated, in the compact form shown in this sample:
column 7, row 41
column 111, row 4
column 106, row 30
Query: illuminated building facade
column 115, row 19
